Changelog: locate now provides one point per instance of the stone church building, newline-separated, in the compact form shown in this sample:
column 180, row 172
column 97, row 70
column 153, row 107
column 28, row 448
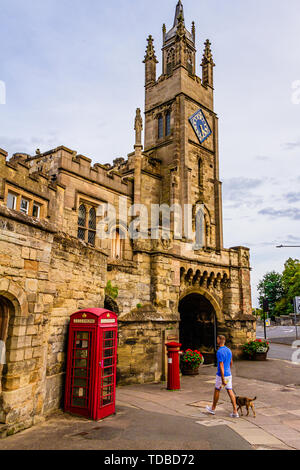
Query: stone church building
column 53, row 263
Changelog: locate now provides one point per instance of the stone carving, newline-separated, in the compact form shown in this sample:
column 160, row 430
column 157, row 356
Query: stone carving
column 138, row 127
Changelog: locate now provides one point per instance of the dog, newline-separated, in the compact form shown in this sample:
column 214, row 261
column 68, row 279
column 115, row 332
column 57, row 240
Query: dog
column 248, row 403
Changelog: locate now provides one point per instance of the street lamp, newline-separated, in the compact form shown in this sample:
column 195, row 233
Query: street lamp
column 288, row 246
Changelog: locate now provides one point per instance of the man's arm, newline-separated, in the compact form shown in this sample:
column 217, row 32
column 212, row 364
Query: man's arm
column 222, row 373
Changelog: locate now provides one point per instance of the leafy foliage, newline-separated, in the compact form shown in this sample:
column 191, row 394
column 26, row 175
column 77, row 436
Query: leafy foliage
column 291, row 287
column 271, row 288
column 111, row 291
column 257, row 312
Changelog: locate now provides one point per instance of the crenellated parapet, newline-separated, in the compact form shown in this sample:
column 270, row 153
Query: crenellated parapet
column 64, row 160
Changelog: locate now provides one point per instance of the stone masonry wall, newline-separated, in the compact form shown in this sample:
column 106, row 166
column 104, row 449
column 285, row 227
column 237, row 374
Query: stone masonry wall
column 47, row 277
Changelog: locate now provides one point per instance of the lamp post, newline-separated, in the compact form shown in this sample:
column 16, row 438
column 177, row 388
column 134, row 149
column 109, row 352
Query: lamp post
column 266, row 310
column 288, row 246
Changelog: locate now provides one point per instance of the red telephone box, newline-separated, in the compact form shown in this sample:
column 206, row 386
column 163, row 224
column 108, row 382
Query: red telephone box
column 92, row 363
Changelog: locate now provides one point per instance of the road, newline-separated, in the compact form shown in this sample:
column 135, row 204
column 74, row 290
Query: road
column 281, row 339
column 278, row 332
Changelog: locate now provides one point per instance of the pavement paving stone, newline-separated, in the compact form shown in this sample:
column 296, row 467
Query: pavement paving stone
column 294, row 444
column 212, row 423
column 257, row 436
column 295, row 412
column 284, row 433
column 204, row 404
column 144, row 413
column 272, row 412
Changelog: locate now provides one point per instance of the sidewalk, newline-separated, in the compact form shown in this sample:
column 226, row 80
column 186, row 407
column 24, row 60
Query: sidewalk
column 151, row 418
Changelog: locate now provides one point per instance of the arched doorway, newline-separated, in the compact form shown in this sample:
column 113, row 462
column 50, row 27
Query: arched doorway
column 111, row 305
column 198, row 325
column 6, row 315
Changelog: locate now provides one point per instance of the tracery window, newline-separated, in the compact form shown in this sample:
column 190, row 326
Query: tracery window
column 160, row 127
column 200, row 172
column 87, row 224
column 168, row 123
column 164, row 124
column 189, row 62
column 170, row 61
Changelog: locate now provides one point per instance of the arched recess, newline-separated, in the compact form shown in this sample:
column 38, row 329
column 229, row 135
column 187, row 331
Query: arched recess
column 13, row 304
column 200, row 315
column 7, row 315
column 111, row 305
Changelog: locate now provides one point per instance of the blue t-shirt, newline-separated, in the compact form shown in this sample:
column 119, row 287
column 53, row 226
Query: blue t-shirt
column 224, row 355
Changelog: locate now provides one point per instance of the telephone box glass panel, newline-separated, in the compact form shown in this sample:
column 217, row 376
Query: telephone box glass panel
column 81, row 369
column 108, row 371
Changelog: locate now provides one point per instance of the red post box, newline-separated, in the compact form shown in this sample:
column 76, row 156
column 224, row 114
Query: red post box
column 173, row 366
column 91, row 364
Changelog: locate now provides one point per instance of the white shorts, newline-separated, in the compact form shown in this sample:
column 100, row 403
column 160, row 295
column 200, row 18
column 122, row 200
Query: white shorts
column 219, row 384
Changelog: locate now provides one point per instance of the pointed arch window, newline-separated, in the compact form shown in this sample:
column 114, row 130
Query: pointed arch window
column 168, row 123
column 92, row 226
column 160, row 127
column 87, row 224
column 81, row 222
column 189, row 62
column 170, row 61
column 200, row 172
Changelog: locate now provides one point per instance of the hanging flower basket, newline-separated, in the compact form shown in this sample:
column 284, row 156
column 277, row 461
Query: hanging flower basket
column 191, row 362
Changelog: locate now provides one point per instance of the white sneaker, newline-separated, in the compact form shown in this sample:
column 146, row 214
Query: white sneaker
column 233, row 415
column 210, row 410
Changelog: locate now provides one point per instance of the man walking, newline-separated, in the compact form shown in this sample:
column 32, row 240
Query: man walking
column 224, row 377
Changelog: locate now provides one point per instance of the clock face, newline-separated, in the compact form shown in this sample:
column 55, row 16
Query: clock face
column 200, row 126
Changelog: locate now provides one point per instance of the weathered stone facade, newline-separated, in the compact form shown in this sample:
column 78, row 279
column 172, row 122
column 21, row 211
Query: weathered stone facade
column 53, row 263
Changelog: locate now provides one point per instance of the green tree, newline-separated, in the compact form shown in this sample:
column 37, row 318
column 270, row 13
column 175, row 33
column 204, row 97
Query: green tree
column 291, row 286
column 271, row 288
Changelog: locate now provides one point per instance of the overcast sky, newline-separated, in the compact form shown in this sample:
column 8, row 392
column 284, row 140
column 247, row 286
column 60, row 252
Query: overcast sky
column 74, row 76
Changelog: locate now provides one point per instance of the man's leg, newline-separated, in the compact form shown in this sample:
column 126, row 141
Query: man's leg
column 216, row 399
column 233, row 400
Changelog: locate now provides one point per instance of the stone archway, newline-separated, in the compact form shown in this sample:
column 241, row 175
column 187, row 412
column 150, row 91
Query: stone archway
column 198, row 325
column 111, row 305
column 7, row 313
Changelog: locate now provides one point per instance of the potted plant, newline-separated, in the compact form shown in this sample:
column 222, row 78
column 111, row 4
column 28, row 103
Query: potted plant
column 191, row 361
column 256, row 350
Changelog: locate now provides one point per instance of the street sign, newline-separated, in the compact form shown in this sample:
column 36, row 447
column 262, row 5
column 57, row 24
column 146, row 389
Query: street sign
column 268, row 322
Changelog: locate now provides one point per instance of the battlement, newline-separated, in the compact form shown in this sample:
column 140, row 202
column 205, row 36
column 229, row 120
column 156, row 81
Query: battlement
column 65, row 160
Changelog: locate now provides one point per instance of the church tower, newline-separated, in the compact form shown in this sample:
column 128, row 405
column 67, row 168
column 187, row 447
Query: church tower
column 181, row 126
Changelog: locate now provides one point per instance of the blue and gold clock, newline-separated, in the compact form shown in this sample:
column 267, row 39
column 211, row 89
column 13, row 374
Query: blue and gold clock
column 200, row 126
